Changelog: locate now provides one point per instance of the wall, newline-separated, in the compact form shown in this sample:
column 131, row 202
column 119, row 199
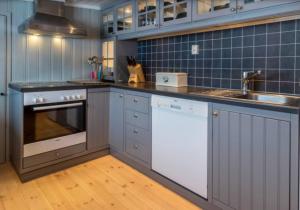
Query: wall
column 40, row 58
column 225, row 54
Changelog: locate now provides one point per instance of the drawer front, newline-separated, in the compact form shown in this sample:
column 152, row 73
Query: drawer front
column 138, row 143
column 137, row 103
column 137, row 119
column 53, row 155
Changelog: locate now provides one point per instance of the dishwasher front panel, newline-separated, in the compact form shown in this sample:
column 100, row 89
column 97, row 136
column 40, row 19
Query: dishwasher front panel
column 179, row 143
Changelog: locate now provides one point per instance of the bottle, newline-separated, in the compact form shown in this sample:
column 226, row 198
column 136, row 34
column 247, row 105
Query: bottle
column 100, row 72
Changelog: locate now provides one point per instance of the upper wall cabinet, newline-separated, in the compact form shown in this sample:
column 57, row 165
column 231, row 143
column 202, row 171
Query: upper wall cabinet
column 246, row 5
column 175, row 11
column 125, row 18
column 213, row 8
column 108, row 23
column 147, row 14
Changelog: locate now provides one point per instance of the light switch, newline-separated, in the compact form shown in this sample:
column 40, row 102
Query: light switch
column 195, row 49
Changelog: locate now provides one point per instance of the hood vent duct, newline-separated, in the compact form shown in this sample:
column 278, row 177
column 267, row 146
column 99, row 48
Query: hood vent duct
column 49, row 20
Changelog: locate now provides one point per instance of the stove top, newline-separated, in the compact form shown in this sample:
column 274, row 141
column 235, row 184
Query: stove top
column 43, row 84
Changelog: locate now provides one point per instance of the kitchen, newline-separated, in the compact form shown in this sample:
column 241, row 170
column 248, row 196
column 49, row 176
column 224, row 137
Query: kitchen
column 149, row 104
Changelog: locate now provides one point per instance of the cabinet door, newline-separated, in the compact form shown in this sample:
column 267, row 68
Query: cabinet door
column 204, row 9
column 108, row 23
column 116, row 121
column 175, row 11
column 246, row 5
column 147, row 14
column 97, row 121
column 251, row 161
column 125, row 18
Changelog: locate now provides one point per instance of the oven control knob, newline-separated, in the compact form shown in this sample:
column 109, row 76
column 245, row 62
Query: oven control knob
column 67, row 98
column 78, row 96
column 40, row 100
column 73, row 97
column 35, row 100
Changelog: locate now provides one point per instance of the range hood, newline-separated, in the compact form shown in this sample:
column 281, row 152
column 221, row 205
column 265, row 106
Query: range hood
column 49, row 20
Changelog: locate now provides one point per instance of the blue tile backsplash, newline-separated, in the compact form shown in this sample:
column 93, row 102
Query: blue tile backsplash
column 273, row 48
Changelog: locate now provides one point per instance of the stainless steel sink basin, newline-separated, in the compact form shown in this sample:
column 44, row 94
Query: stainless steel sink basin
column 267, row 98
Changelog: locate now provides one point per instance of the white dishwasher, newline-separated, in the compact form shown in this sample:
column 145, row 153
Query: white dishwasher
column 179, row 141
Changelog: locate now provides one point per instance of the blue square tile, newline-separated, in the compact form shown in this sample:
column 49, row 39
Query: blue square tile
column 261, row 29
column 236, row 84
column 217, row 34
column 287, row 63
column 208, row 35
column 217, row 43
column 191, row 81
column 272, row 87
column 248, row 52
column 177, row 39
column 217, row 53
column 208, row 44
column 184, row 47
column 226, row 33
column 207, row 72
column 288, row 25
column 237, row 42
column 272, row 75
column 288, row 50
column 237, row 32
column 199, row 82
column 226, row 73
column 200, row 36
column 260, row 51
column 216, row 83
column 286, row 87
column 236, row 52
column 298, row 63
column 207, row 63
column 171, row 47
column 226, row 43
column 226, row 53
column 260, row 63
column 199, row 72
column 260, row 39
column 192, row 37
column 288, row 37
column 298, row 50
column 298, row 36
column 272, row 63
column 217, row 63
column 216, row 73
column 199, row 63
column 287, row 76
column 236, row 63
column 207, row 82
column 191, row 64
column 298, row 24
column 185, row 38
column 248, row 63
column 207, row 54
column 225, row 83
column 273, row 27
column 226, row 63
column 248, row 41
column 273, row 39
column 249, row 30
column 273, row 51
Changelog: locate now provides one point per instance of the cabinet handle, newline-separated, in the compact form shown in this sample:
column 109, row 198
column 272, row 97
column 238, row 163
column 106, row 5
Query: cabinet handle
column 135, row 131
column 233, row 9
column 215, row 114
column 135, row 116
column 135, row 100
column 240, row 7
column 121, row 96
column 136, row 146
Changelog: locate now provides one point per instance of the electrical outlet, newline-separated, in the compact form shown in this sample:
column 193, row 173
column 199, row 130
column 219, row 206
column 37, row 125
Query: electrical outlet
column 195, row 49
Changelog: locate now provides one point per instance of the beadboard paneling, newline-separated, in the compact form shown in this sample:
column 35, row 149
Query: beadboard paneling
column 41, row 58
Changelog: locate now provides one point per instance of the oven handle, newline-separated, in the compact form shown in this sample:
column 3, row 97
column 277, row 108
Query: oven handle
column 41, row 108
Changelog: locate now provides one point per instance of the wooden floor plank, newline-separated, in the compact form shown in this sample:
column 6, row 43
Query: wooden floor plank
column 105, row 184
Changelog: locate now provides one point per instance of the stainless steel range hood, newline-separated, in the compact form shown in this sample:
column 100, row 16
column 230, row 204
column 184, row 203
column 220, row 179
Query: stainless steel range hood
column 49, row 20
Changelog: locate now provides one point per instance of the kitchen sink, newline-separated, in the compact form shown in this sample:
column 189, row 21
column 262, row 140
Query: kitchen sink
column 266, row 98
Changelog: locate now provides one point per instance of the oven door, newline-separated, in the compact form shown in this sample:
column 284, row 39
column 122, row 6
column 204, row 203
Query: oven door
column 50, row 127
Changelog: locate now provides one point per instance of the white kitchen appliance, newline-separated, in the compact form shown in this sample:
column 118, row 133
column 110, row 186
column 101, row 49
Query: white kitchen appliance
column 171, row 79
column 53, row 120
column 179, row 141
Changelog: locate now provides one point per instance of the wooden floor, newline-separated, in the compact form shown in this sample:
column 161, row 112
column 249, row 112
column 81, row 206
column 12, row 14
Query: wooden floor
column 105, row 183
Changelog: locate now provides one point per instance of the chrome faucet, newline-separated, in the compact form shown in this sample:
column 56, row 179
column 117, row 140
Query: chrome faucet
column 247, row 76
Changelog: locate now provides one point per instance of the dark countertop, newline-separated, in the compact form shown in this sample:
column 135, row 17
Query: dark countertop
column 182, row 92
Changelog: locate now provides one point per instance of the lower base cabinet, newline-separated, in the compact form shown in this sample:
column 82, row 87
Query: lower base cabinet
column 252, row 153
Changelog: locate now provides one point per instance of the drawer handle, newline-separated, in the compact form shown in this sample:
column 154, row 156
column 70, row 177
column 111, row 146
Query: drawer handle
column 175, row 107
column 215, row 114
column 121, row 96
column 135, row 146
column 135, row 131
column 135, row 100
column 135, row 116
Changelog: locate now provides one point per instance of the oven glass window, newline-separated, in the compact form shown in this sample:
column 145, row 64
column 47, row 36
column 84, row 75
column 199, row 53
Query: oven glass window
column 46, row 124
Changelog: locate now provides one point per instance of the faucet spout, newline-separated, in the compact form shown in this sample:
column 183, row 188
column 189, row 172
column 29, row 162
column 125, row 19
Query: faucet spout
column 246, row 77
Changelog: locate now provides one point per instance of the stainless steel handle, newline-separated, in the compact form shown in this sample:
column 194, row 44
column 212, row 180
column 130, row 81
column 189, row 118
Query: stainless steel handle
column 233, row 9
column 41, row 108
column 121, row 96
column 135, row 116
column 135, row 132
column 2, row 94
column 240, row 7
column 136, row 146
column 175, row 107
column 215, row 114
column 135, row 100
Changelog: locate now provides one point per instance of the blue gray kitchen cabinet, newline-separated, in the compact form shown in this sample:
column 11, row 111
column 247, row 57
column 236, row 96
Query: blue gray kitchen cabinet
column 108, row 23
column 138, row 127
column 97, row 119
column 175, row 11
column 204, row 9
column 116, row 120
column 147, row 14
column 125, row 17
column 246, row 5
column 255, row 159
